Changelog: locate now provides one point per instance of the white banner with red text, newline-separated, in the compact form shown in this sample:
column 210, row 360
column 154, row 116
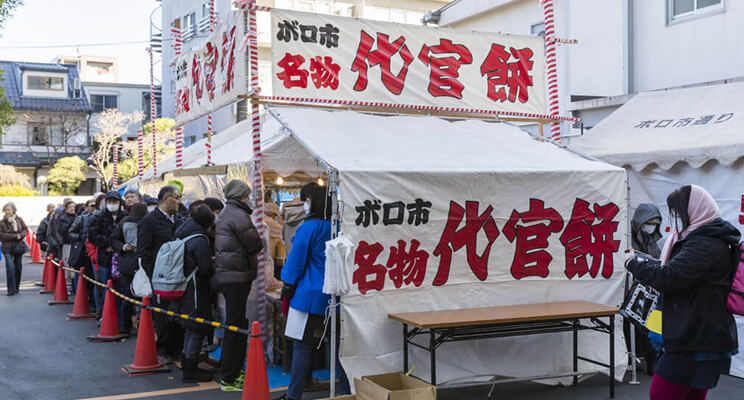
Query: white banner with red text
column 212, row 75
column 438, row 241
column 356, row 60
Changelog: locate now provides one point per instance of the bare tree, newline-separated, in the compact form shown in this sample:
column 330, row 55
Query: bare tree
column 112, row 125
column 61, row 130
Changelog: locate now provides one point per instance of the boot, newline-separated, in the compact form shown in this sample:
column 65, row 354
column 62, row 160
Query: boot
column 192, row 373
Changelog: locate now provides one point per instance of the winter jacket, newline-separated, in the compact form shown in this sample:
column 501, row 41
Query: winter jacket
column 695, row 283
column 197, row 254
column 237, row 245
column 64, row 222
column 154, row 230
column 305, row 266
column 643, row 241
column 75, row 233
column 293, row 216
column 10, row 236
column 52, row 235
column 101, row 233
column 41, row 230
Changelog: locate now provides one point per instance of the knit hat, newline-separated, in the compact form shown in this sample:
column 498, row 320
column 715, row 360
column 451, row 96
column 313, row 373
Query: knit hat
column 178, row 184
column 236, row 189
column 214, row 203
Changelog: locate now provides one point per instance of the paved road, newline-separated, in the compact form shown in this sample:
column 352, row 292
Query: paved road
column 43, row 356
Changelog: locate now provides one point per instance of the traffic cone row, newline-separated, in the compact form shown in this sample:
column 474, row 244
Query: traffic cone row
column 146, row 362
column 35, row 251
column 51, row 276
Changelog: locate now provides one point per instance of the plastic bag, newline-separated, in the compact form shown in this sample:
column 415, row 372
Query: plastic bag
column 141, row 284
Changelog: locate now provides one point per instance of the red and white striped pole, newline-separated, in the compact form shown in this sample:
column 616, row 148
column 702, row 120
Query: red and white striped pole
column 152, row 117
column 551, row 64
column 116, row 165
column 178, row 36
column 212, row 23
column 140, row 155
column 257, row 170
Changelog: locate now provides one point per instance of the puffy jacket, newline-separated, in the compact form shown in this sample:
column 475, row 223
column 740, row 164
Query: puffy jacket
column 305, row 266
column 52, row 235
column 695, row 283
column 293, row 215
column 75, row 233
column 101, row 233
column 41, row 230
column 64, row 222
column 197, row 254
column 9, row 236
column 236, row 245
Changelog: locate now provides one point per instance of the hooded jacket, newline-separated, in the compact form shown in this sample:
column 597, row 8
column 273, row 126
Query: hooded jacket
column 642, row 241
column 695, row 283
column 236, row 245
column 294, row 215
column 197, row 255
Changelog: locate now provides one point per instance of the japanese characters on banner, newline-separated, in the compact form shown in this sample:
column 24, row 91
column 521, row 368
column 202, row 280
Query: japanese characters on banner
column 212, row 75
column 339, row 58
column 433, row 241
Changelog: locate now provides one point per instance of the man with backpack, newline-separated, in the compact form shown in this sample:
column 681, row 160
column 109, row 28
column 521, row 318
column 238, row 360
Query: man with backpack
column 155, row 229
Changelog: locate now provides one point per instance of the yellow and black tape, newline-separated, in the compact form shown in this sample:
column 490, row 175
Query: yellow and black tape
column 169, row 313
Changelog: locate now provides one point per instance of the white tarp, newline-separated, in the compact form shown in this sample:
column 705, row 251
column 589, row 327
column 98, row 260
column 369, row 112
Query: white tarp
column 341, row 58
column 575, row 203
column 693, row 125
column 703, row 145
column 213, row 74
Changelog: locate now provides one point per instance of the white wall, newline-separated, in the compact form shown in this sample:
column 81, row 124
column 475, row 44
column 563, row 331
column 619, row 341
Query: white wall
column 128, row 99
column 33, row 209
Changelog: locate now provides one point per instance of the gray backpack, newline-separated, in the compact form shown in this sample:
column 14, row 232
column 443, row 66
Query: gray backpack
column 168, row 279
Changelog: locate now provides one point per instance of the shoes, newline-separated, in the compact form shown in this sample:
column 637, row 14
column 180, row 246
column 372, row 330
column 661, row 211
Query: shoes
column 283, row 397
column 316, row 386
column 234, row 386
column 192, row 373
column 10, row 293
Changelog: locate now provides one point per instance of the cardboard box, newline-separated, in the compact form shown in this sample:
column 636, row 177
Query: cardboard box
column 396, row 386
column 352, row 397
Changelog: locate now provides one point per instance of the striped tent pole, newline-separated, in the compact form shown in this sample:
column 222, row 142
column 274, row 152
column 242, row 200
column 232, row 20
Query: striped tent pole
column 140, row 155
column 178, row 40
column 208, row 144
column 152, row 117
column 116, row 166
column 551, row 64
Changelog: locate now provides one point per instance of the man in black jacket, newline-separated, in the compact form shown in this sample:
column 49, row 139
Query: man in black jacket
column 155, row 229
column 41, row 230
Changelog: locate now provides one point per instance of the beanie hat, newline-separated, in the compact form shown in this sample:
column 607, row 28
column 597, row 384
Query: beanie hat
column 178, row 184
column 236, row 189
column 214, row 203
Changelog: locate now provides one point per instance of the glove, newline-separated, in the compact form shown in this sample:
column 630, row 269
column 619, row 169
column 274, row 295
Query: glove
column 288, row 291
column 629, row 255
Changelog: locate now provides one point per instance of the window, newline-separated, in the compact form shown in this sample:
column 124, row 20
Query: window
column 687, row 9
column 100, row 68
column 41, row 134
column 538, row 29
column 101, row 102
column 37, row 82
column 188, row 26
column 146, row 105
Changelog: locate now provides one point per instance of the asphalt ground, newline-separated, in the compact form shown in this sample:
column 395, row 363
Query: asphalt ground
column 44, row 356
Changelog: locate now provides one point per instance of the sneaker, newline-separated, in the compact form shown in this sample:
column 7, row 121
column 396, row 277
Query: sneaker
column 234, row 386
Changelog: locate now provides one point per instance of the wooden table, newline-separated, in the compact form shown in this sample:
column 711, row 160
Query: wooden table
column 504, row 321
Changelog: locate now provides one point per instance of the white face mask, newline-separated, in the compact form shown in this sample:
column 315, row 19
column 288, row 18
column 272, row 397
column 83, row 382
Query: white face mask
column 112, row 207
column 678, row 224
column 648, row 228
column 151, row 208
column 307, row 208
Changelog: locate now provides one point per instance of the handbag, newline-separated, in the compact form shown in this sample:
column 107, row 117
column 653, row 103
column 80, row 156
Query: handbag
column 19, row 248
column 639, row 304
column 141, row 286
column 78, row 255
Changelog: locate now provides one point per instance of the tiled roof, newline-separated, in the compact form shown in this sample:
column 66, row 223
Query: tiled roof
column 12, row 81
column 18, row 158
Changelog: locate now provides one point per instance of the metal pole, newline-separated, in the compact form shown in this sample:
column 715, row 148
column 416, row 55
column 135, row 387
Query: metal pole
column 333, row 188
column 628, row 284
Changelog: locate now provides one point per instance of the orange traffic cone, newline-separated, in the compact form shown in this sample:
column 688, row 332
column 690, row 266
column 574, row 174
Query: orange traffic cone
column 28, row 238
column 256, row 383
column 109, row 331
column 36, row 253
column 145, row 354
column 43, row 274
column 81, row 309
column 50, row 277
column 60, row 290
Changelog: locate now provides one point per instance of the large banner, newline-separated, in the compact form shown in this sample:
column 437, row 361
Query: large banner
column 212, row 75
column 434, row 241
column 340, row 58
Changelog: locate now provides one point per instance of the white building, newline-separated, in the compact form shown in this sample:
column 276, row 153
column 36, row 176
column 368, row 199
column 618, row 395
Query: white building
column 625, row 46
column 193, row 18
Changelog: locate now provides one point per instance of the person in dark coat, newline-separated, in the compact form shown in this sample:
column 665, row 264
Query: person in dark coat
column 645, row 231
column 41, row 230
column 52, row 235
column 156, row 228
column 12, row 232
column 196, row 300
column 64, row 222
column 693, row 276
column 79, row 255
column 101, row 233
column 124, row 242
column 237, row 245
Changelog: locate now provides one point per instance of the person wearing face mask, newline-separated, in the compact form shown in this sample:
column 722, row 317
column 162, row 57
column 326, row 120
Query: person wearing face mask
column 303, row 276
column 152, row 203
column 153, row 231
column 645, row 233
column 12, row 233
column 101, row 232
column 237, row 245
column 698, row 333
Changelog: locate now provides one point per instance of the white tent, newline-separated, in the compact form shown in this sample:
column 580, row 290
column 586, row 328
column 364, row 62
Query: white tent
column 388, row 164
column 671, row 138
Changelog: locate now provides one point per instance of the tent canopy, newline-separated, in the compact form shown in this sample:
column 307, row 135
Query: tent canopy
column 692, row 125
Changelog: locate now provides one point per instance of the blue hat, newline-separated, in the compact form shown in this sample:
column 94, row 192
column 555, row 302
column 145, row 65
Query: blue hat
column 113, row 195
column 150, row 200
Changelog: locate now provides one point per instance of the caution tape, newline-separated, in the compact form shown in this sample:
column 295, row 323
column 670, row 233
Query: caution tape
column 169, row 313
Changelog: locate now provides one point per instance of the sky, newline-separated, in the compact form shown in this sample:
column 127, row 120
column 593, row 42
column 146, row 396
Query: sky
column 81, row 22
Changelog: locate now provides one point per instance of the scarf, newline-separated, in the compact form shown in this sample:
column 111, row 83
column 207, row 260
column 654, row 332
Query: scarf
column 701, row 209
column 13, row 223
